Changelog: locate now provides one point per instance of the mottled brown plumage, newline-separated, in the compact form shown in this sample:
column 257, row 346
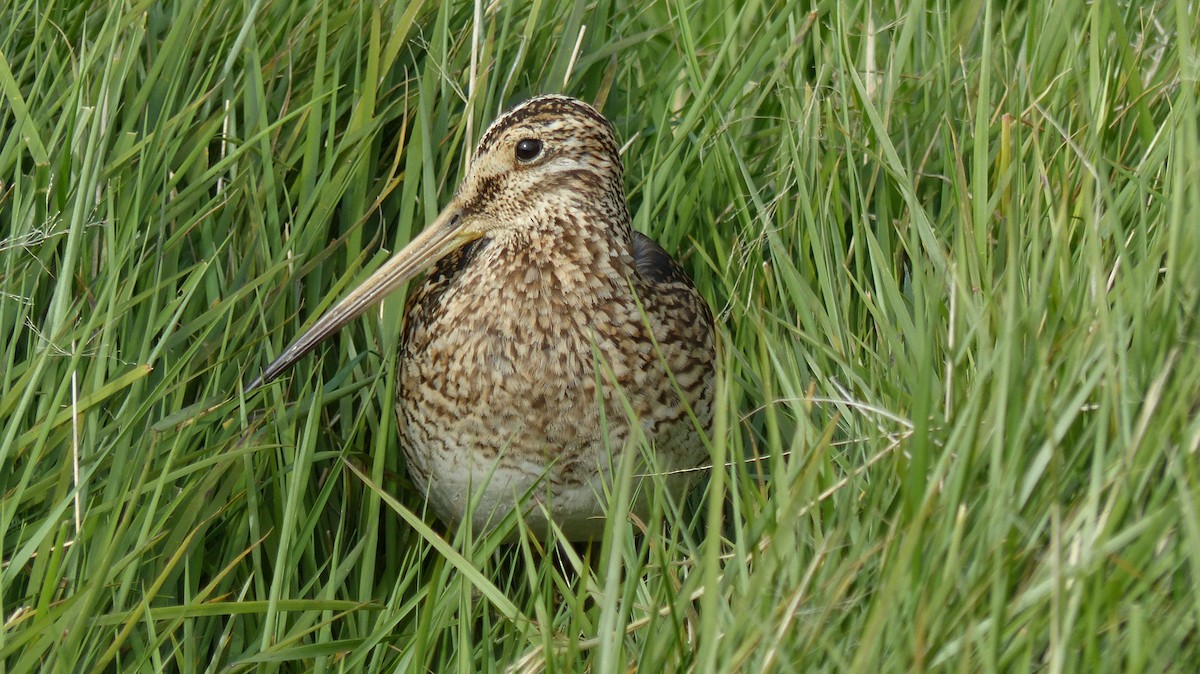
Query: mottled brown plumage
column 544, row 316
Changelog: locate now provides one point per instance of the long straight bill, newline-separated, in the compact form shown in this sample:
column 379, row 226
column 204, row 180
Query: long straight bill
column 443, row 236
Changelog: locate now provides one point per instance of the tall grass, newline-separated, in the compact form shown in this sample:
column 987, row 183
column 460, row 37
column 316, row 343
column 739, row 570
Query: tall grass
column 954, row 251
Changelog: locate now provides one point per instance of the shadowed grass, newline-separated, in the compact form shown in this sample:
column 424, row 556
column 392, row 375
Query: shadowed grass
column 953, row 251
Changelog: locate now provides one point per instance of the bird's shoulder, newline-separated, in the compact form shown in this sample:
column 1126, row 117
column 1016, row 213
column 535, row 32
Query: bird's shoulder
column 666, row 287
column 654, row 263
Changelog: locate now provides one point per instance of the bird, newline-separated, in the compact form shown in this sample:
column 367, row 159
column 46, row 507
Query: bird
column 547, row 339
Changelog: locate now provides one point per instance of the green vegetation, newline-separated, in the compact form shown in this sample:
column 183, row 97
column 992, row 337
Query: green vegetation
column 954, row 250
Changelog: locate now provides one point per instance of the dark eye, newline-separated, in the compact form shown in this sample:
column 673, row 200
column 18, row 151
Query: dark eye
column 528, row 149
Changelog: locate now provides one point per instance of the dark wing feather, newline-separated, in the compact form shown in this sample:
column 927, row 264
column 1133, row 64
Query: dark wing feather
column 670, row 292
column 654, row 263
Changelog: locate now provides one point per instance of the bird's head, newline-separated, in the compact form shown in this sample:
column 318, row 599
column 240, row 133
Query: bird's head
column 550, row 152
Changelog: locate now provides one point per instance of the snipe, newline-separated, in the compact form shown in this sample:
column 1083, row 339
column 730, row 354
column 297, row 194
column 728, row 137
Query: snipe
column 545, row 330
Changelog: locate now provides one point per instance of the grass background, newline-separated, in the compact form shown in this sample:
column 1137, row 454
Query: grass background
column 954, row 250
